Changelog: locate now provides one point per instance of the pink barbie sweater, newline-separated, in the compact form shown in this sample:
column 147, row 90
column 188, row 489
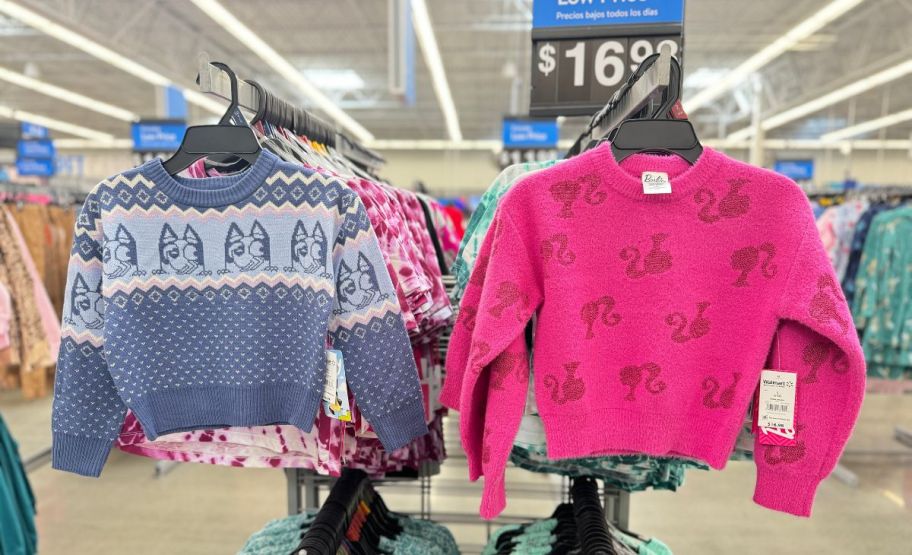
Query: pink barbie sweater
column 656, row 315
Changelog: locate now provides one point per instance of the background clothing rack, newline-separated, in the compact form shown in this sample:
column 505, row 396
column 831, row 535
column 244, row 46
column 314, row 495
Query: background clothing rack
column 214, row 80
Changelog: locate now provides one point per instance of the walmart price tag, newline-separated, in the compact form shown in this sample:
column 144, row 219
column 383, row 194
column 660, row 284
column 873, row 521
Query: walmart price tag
column 335, row 389
column 776, row 406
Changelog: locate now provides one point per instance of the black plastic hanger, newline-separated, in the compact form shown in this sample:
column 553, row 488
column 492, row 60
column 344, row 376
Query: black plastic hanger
column 201, row 141
column 659, row 134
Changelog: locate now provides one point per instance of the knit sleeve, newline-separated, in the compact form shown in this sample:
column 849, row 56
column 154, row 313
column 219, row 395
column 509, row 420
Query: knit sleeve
column 368, row 328
column 487, row 363
column 88, row 411
column 817, row 340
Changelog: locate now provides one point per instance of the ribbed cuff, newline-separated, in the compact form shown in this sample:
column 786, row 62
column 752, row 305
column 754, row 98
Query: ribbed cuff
column 788, row 494
column 494, row 497
column 397, row 428
column 80, row 455
column 449, row 396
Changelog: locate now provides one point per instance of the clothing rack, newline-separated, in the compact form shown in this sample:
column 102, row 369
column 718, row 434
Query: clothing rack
column 270, row 108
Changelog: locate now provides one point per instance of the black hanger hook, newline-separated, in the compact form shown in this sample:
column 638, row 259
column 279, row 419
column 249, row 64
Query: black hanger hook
column 233, row 106
column 261, row 106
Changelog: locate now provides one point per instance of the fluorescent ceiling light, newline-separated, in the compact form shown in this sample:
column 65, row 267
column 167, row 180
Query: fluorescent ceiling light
column 865, row 84
column 273, row 59
column 48, row 27
column 88, row 144
column 428, row 41
column 787, row 41
column 336, row 79
column 66, row 95
column 54, row 124
column 868, row 126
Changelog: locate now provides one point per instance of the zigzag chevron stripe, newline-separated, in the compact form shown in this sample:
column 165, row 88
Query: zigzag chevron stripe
column 80, row 263
column 145, row 283
column 82, row 336
column 352, row 241
column 231, row 213
column 364, row 317
column 122, row 179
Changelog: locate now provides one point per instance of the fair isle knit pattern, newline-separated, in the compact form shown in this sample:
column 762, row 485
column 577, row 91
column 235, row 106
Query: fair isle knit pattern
column 202, row 303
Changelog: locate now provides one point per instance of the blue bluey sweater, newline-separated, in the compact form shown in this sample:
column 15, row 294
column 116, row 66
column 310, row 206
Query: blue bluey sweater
column 201, row 303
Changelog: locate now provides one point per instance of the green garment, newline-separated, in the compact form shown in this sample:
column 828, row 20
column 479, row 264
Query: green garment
column 483, row 216
column 883, row 286
column 18, row 535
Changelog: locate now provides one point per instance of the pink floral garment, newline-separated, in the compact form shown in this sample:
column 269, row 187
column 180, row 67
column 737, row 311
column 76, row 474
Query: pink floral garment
column 440, row 310
column 331, row 446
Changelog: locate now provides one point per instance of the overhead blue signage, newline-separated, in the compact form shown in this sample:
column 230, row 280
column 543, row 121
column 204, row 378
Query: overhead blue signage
column 175, row 103
column 32, row 131
column 799, row 170
column 43, row 148
column 158, row 135
column 39, row 167
column 528, row 133
column 586, row 13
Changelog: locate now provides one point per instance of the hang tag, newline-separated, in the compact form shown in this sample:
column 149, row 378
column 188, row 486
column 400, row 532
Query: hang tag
column 776, row 407
column 655, row 183
column 335, row 390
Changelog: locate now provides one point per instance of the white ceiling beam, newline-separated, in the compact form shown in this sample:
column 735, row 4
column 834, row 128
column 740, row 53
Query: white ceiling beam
column 868, row 126
column 87, row 45
column 424, row 30
column 843, row 93
column 66, row 95
column 218, row 13
column 55, row 124
column 786, row 42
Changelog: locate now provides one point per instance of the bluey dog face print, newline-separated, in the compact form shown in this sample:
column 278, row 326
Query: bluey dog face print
column 86, row 304
column 246, row 252
column 308, row 249
column 182, row 255
column 120, row 258
column 358, row 286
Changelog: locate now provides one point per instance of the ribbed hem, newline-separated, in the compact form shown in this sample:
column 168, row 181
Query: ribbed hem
column 399, row 427
column 217, row 406
column 626, row 178
column 493, row 497
column 81, row 455
column 212, row 191
column 620, row 432
column 788, row 494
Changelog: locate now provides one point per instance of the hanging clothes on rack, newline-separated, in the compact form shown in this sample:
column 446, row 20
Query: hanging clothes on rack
column 332, row 443
column 18, row 535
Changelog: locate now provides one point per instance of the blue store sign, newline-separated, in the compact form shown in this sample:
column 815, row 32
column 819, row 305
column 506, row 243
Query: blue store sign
column 32, row 131
column 525, row 133
column 586, row 13
column 35, row 149
column 39, row 167
column 158, row 135
column 799, row 170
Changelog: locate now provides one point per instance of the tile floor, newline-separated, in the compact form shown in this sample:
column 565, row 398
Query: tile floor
column 196, row 509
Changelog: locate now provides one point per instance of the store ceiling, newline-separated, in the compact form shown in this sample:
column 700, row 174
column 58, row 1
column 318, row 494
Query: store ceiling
column 484, row 43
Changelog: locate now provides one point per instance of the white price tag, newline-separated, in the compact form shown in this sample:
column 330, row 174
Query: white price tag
column 777, row 400
column 655, row 183
column 332, row 375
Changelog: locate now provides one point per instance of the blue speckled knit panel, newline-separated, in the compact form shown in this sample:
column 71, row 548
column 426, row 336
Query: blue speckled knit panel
column 197, row 317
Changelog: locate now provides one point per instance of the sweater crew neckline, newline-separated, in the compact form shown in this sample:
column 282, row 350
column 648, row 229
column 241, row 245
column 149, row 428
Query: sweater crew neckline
column 684, row 178
column 210, row 192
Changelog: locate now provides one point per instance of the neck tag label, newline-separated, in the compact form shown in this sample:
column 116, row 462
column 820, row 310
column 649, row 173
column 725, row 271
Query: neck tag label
column 655, row 183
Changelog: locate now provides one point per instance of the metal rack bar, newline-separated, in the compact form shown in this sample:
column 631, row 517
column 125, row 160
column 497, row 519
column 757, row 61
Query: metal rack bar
column 648, row 88
column 213, row 80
